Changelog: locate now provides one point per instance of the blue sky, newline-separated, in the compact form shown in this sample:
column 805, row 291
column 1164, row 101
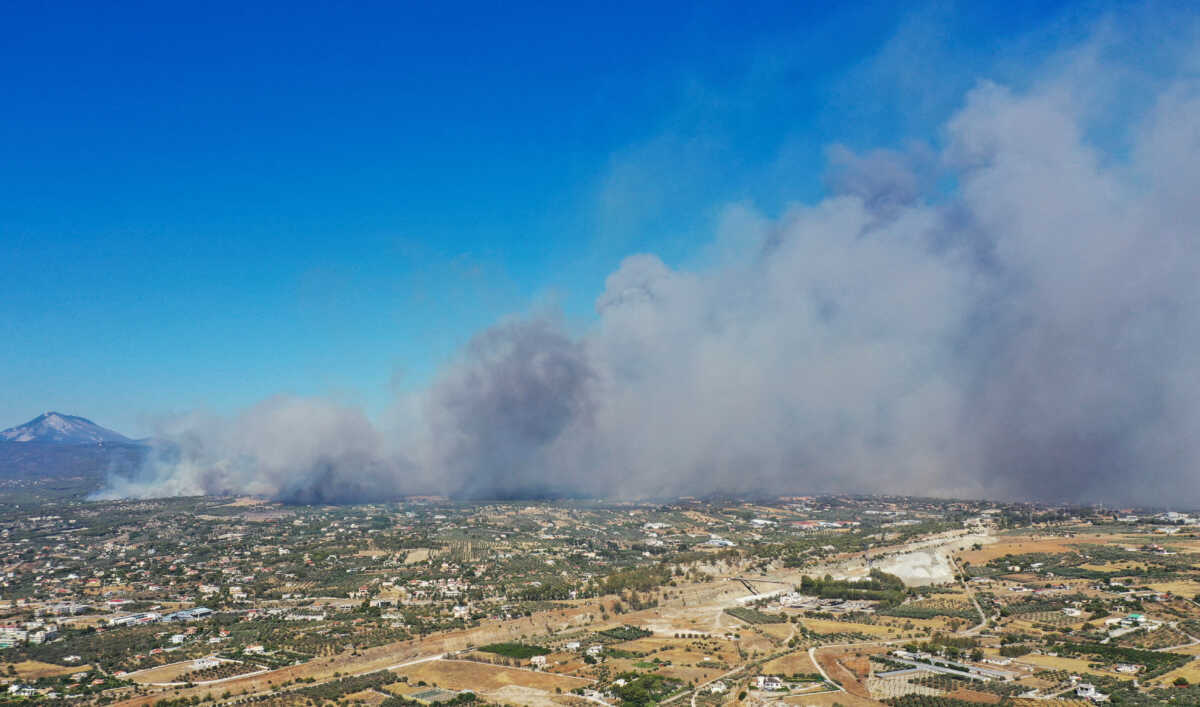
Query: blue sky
column 203, row 206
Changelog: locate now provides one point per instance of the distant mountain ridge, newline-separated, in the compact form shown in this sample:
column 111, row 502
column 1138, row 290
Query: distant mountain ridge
column 57, row 428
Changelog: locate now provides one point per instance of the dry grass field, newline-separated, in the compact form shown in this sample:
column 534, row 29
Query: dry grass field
column 1011, row 546
column 365, row 697
column 1022, row 544
column 1182, row 588
column 415, row 556
column 791, row 664
column 1123, row 566
column 690, row 674
column 1190, row 671
column 161, row 673
column 831, row 626
column 886, row 628
column 465, row 675
column 32, row 669
column 685, row 651
column 1189, row 650
column 778, row 631
column 1073, row 665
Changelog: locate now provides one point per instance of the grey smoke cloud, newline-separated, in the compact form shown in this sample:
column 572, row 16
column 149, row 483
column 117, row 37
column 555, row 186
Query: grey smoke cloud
column 1033, row 332
column 294, row 449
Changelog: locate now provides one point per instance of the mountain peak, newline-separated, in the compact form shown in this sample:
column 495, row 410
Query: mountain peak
column 60, row 428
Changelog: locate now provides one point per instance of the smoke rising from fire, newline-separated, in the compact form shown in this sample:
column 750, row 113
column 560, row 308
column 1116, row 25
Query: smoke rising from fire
column 1015, row 313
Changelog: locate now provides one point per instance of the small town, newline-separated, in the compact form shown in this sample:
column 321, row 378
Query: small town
column 815, row 600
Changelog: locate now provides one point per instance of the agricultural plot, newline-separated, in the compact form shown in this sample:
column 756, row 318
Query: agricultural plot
column 225, row 669
column 1165, row 637
column 754, row 616
column 1056, row 619
column 929, row 608
column 519, row 651
column 893, row 686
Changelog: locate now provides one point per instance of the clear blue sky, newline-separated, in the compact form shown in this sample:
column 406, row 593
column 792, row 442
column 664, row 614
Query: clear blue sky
column 203, row 205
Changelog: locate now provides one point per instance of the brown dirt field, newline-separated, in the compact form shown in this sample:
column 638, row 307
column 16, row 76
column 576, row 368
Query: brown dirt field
column 573, row 665
column 791, row 664
column 752, row 643
column 32, row 669
column 986, row 698
column 835, row 666
column 529, row 697
column 859, row 665
column 463, row 675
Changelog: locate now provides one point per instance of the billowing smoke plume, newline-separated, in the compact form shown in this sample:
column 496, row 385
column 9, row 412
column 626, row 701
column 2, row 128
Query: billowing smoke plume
column 304, row 451
column 1013, row 314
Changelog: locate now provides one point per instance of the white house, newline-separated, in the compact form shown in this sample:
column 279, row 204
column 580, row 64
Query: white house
column 768, row 682
column 1088, row 691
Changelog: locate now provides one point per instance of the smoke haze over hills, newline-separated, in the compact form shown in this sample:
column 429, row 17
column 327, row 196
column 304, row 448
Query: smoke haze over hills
column 1012, row 313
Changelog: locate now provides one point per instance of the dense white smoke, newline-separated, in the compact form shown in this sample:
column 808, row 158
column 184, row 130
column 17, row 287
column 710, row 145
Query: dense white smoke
column 1014, row 314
